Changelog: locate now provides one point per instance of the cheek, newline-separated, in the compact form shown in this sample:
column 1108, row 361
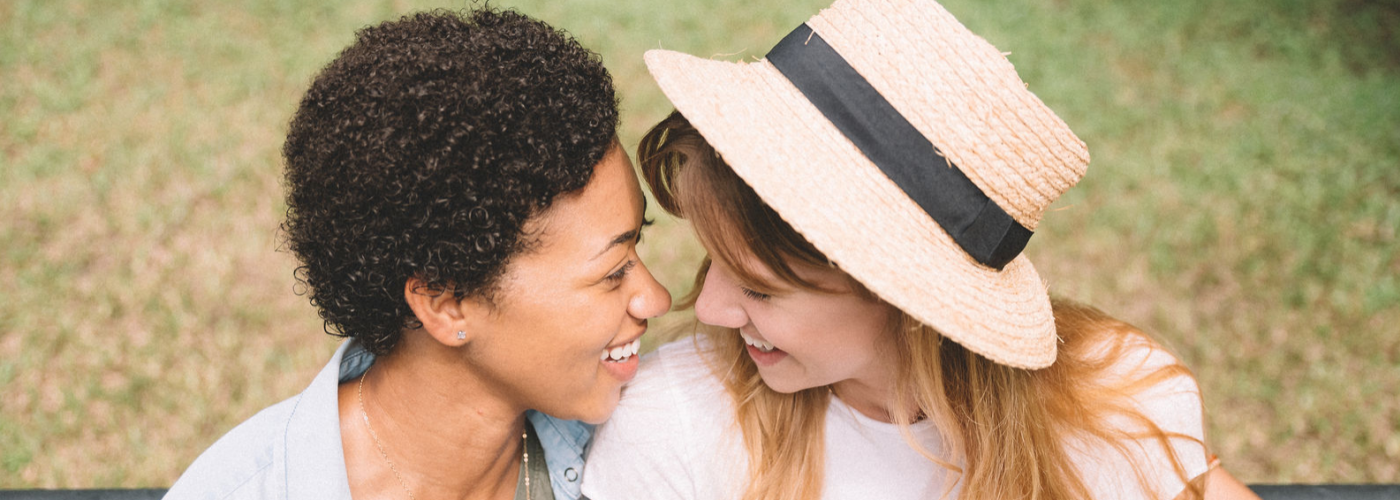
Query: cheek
column 580, row 335
column 555, row 348
column 876, row 329
column 859, row 327
column 588, row 321
column 815, row 329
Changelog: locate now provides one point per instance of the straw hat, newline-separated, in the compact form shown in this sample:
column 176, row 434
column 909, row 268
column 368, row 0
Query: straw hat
column 906, row 149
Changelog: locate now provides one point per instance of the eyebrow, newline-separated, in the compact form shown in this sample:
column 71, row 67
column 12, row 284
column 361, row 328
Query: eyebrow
column 627, row 236
column 630, row 235
column 620, row 239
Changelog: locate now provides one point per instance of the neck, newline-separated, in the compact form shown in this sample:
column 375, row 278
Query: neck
column 447, row 433
column 878, row 404
column 872, row 390
column 874, row 394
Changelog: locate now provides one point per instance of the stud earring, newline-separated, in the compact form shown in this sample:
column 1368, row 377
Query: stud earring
column 461, row 335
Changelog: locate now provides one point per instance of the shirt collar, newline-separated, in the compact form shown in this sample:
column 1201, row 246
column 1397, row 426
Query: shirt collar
column 314, row 457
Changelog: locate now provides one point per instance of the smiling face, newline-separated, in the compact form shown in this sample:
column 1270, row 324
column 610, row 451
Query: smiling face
column 765, row 281
column 801, row 338
column 564, row 326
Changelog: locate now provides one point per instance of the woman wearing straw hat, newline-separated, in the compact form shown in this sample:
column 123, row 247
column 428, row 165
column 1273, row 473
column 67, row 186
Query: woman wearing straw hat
column 864, row 194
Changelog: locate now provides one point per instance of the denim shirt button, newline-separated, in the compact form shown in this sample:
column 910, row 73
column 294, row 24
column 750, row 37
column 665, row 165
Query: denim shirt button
column 571, row 474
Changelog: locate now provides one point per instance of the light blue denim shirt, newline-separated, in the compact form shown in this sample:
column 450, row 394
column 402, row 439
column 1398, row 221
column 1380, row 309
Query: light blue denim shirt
column 291, row 450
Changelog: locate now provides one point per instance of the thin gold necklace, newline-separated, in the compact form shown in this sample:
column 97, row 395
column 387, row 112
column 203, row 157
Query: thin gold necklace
column 360, row 396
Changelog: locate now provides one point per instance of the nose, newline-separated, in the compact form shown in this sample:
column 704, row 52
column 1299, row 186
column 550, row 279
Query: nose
column 718, row 302
column 652, row 299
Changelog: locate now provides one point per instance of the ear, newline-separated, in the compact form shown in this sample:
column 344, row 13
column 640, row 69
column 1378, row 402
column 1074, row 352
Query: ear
column 450, row 321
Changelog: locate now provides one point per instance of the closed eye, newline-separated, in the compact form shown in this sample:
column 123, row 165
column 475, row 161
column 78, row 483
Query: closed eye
column 620, row 273
column 755, row 295
column 645, row 224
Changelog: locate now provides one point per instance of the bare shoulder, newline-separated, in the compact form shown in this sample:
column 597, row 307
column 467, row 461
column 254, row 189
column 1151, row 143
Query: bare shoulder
column 1220, row 485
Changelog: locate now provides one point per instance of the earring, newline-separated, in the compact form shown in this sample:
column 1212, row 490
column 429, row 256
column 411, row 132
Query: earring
column 461, row 335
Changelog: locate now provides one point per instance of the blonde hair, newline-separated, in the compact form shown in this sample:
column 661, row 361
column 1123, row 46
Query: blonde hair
column 1007, row 427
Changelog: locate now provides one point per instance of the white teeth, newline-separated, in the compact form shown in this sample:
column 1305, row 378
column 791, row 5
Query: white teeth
column 762, row 345
column 622, row 352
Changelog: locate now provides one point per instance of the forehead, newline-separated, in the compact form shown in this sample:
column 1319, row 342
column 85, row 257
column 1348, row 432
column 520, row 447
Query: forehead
column 586, row 221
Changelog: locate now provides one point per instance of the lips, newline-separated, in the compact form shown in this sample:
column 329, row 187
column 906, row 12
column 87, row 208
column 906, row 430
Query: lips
column 763, row 352
column 622, row 361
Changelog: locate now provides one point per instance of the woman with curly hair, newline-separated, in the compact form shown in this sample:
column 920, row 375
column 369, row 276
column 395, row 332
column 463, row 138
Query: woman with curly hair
column 463, row 213
column 873, row 330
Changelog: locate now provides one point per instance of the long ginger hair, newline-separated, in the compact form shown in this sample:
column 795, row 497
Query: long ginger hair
column 1005, row 428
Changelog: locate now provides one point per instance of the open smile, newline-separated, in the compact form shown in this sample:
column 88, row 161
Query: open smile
column 622, row 353
column 622, row 361
column 764, row 353
column 761, row 345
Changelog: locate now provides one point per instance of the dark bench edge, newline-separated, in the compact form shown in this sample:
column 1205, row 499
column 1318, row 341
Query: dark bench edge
column 1265, row 491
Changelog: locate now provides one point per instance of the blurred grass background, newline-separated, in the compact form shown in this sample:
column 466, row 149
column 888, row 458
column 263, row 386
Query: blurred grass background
column 1243, row 204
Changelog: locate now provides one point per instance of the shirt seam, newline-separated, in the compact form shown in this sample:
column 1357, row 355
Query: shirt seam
column 245, row 481
column 287, row 429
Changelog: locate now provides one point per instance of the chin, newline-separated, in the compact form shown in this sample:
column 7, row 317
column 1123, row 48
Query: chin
column 592, row 412
column 596, row 420
column 784, row 387
column 600, row 415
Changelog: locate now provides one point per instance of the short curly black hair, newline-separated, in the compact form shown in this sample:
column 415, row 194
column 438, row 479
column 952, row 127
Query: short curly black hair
column 423, row 148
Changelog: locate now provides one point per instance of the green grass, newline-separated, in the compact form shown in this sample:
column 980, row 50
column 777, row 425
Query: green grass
column 1243, row 204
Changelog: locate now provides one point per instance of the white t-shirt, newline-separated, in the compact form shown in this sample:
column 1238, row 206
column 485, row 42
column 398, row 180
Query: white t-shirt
column 673, row 436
